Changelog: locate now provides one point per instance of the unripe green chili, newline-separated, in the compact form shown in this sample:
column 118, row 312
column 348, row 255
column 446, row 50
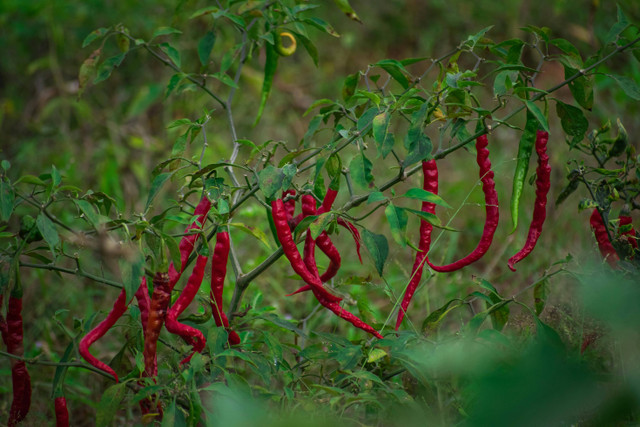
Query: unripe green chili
column 522, row 166
column 430, row 183
column 543, row 183
column 491, row 209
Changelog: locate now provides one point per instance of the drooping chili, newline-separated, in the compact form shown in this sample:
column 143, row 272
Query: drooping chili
column 218, row 274
column 119, row 307
column 604, row 244
column 12, row 334
column 429, row 183
column 190, row 334
column 62, row 413
column 631, row 233
column 491, row 208
column 525, row 148
column 543, row 183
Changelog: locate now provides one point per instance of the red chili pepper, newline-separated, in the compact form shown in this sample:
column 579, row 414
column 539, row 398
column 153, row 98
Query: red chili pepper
column 62, row 413
column 142, row 295
column 429, row 183
column 119, row 307
column 158, row 310
column 600, row 230
column 218, row 274
column 543, row 183
column 491, row 208
column 12, row 335
column 631, row 234
column 289, row 205
column 311, row 277
column 191, row 335
column 187, row 242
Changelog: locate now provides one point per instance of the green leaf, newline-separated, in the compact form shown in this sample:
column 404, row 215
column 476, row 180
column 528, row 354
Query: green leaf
column 375, row 197
column 94, row 35
column 252, row 231
column 539, row 115
column 205, row 45
column 172, row 53
column 225, row 79
column 89, row 212
column 628, row 85
column 396, row 70
column 360, row 169
column 110, row 404
column 106, row 68
column 132, row 272
column 500, row 314
column 313, row 127
column 349, row 86
column 173, row 83
column 7, row 198
column 164, row 31
column 430, row 218
column 430, row 324
column 425, row 196
column 156, row 185
column 384, row 139
column 573, row 121
column 375, row 355
column 322, row 25
column 270, row 65
column 419, row 151
column 346, row 8
column 48, row 230
column 169, row 415
column 174, row 251
column 378, row 247
column 540, row 294
column 398, row 219
column 204, row 11
column 320, row 224
column 366, row 119
column 270, row 180
column 581, row 88
column 309, row 47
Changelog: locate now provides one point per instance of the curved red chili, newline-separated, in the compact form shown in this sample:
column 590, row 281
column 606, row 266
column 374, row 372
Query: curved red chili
column 62, row 413
column 543, row 183
column 119, row 307
column 12, row 335
column 491, row 208
column 190, row 334
column 218, row 274
column 429, row 183
column 604, row 244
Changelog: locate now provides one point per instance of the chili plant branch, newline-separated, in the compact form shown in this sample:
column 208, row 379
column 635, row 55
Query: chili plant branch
column 75, row 271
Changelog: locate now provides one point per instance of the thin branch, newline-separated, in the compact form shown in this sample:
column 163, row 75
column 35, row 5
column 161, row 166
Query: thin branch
column 77, row 272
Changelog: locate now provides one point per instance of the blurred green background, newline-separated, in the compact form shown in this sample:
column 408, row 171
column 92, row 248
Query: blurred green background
column 111, row 139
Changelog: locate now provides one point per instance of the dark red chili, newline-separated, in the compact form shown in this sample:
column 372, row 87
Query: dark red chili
column 310, row 276
column 191, row 335
column 119, row 307
column 12, row 335
column 218, row 274
column 604, row 244
column 491, row 208
column 290, row 204
column 429, row 183
column 543, row 183
column 62, row 413
column 160, row 300
column 142, row 295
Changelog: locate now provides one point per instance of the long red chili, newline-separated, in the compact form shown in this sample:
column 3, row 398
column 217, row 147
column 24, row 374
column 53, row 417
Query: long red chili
column 604, row 244
column 158, row 310
column 491, row 208
column 62, row 413
column 429, row 183
column 334, row 306
column 543, row 183
column 119, row 307
column 218, row 274
column 289, row 205
column 191, row 335
column 144, row 302
column 312, row 277
column 12, row 335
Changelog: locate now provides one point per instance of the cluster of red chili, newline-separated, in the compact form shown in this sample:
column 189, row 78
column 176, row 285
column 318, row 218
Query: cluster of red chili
column 605, row 246
column 430, row 183
column 155, row 310
column 305, row 266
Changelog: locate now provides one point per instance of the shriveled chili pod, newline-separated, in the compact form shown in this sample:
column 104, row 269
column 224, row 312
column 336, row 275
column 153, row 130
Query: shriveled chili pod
column 491, row 208
column 191, row 335
column 144, row 303
column 160, row 300
column 543, row 183
column 429, row 183
column 12, row 334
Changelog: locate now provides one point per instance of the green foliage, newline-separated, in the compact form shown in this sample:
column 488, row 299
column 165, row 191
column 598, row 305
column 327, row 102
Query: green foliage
column 152, row 111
